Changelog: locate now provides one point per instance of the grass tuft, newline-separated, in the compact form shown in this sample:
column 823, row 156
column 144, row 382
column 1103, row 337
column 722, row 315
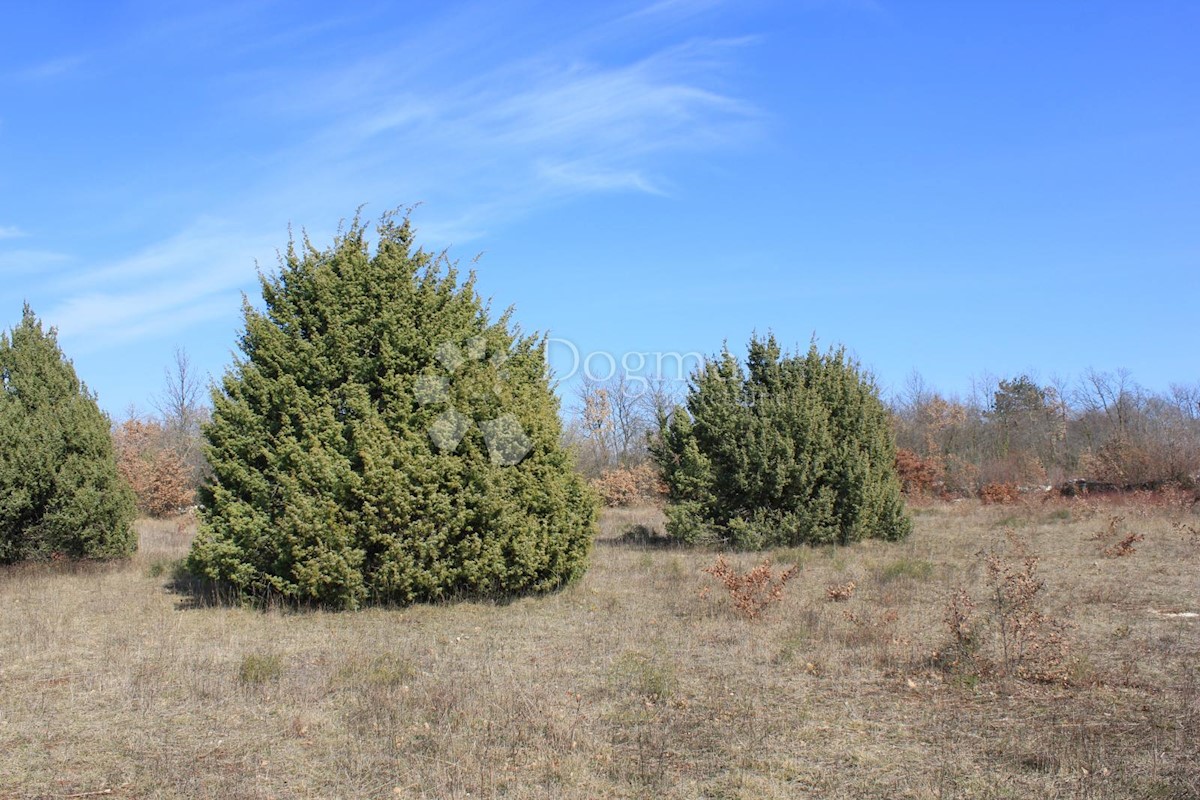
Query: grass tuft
column 259, row 668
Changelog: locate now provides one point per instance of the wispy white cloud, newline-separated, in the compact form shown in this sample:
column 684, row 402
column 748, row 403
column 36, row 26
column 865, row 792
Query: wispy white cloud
column 480, row 145
column 525, row 133
column 10, row 232
column 50, row 69
column 672, row 8
column 26, row 262
column 195, row 276
column 581, row 176
column 213, row 248
column 869, row 6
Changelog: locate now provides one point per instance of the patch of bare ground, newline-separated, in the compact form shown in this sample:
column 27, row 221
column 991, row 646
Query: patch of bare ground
column 643, row 680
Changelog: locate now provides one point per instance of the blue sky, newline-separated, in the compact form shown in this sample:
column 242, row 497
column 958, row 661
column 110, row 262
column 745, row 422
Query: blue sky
column 955, row 188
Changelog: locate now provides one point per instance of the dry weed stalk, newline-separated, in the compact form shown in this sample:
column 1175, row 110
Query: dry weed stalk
column 1125, row 547
column 1114, row 528
column 754, row 591
column 1190, row 531
column 1030, row 645
column 960, row 620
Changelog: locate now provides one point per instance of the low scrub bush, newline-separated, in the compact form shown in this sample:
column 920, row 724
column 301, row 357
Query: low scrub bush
column 259, row 668
column 913, row 568
column 999, row 493
column 630, row 486
column 920, row 476
column 1005, row 633
column 754, row 591
column 650, row 678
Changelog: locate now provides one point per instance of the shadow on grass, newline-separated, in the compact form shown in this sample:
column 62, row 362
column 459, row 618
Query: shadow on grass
column 38, row 568
column 640, row 537
column 194, row 592
column 197, row 593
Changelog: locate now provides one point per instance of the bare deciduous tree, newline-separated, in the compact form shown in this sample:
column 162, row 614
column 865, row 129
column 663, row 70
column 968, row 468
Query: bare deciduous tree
column 182, row 412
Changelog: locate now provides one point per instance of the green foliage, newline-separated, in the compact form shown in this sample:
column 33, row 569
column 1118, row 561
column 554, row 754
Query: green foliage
column 60, row 494
column 916, row 569
column 790, row 450
column 645, row 676
column 382, row 441
column 260, row 668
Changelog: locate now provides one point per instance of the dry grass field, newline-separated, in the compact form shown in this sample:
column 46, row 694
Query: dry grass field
column 643, row 680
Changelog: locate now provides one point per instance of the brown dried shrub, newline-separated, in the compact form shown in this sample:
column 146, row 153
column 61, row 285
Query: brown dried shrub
column 630, row 486
column 919, row 476
column 754, row 591
column 158, row 476
column 999, row 493
column 840, row 592
column 1125, row 547
column 1024, row 642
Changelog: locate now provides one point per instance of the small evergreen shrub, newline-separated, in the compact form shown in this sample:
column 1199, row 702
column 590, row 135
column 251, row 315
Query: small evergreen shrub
column 790, row 450
column 383, row 440
column 60, row 493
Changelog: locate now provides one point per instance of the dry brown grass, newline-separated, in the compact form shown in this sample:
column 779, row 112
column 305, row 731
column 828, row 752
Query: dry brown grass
column 629, row 684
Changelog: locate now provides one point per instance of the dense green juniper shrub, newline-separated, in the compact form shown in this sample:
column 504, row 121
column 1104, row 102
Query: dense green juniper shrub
column 381, row 440
column 60, row 492
column 790, row 450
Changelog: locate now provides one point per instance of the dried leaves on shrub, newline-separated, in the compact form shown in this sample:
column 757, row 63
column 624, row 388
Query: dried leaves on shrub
column 754, row 591
column 840, row 592
column 1006, row 633
column 630, row 486
column 999, row 493
column 157, row 474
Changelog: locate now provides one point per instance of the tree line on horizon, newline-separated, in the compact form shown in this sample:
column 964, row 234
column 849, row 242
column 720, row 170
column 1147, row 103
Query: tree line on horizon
column 1101, row 429
column 1100, row 432
column 383, row 438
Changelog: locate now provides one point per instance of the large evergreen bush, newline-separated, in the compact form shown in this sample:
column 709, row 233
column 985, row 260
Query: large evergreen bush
column 793, row 449
column 60, row 494
column 382, row 440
